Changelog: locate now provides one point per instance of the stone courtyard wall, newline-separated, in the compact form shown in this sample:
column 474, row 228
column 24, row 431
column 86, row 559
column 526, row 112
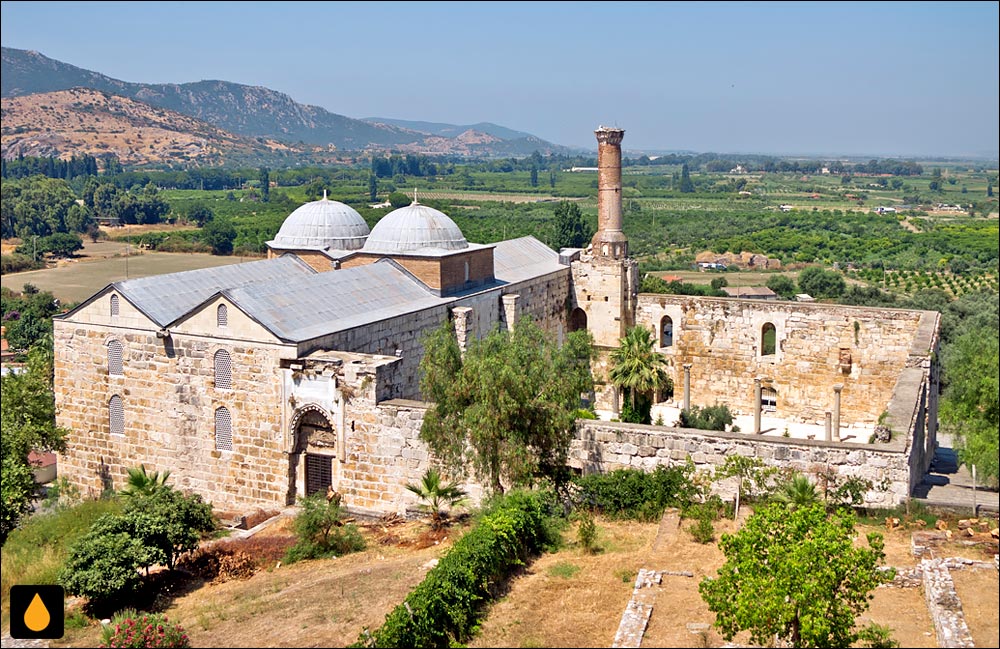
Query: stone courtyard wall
column 599, row 447
column 169, row 397
column 818, row 346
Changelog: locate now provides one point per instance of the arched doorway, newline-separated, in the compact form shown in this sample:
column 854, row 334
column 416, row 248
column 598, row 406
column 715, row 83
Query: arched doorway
column 314, row 453
column 577, row 320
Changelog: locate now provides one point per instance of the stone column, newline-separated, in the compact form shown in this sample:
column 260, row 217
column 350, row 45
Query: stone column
column 511, row 309
column 756, row 406
column 462, row 322
column 687, row 386
column 836, row 411
column 829, row 427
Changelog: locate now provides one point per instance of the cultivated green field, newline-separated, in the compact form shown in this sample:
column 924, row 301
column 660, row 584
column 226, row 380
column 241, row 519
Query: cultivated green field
column 75, row 281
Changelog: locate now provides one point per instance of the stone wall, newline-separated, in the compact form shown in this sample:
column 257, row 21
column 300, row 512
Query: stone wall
column 170, row 399
column 601, row 446
column 818, row 346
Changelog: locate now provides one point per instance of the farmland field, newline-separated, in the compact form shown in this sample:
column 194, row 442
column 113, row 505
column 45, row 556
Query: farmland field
column 76, row 280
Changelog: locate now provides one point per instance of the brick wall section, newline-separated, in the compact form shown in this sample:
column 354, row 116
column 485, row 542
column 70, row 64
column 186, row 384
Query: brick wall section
column 170, row 401
column 721, row 340
column 317, row 260
column 443, row 273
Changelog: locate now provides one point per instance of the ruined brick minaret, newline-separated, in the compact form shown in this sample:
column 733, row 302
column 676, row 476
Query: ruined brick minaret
column 609, row 241
column 604, row 277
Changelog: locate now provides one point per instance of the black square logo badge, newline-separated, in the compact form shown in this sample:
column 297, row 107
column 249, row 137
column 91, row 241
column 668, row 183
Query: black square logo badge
column 37, row 612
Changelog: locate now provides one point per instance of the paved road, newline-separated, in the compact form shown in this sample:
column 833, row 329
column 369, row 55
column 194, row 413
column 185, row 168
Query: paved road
column 948, row 484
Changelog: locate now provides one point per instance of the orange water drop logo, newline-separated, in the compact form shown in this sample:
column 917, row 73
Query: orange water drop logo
column 37, row 616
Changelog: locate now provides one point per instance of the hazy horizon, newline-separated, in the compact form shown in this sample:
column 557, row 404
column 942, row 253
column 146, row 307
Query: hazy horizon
column 847, row 79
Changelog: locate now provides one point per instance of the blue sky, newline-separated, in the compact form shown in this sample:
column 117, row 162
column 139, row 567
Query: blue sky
column 869, row 78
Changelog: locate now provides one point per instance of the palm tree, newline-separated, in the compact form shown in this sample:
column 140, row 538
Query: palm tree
column 797, row 492
column 141, row 483
column 636, row 366
column 438, row 496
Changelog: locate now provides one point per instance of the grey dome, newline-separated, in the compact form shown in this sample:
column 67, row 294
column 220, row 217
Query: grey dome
column 321, row 225
column 415, row 228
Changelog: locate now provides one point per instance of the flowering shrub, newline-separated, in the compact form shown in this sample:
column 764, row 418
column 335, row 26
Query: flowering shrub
column 131, row 629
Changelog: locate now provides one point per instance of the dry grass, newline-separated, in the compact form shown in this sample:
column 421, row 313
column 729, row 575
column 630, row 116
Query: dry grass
column 979, row 592
column 566, row 598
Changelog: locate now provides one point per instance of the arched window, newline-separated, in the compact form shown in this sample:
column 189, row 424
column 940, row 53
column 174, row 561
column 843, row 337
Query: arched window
column 467, row 271
column 222, row 316
column 114, row 306
column 116, row 415
column 666, row 332
column 223, row 430
column 768, row 400
column 115, row 358
column 768, row 339
column 578, row 320
column 223, row 370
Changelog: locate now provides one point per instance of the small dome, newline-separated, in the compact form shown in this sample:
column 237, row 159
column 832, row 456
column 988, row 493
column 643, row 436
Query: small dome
column 322, row 224
column 415, row 228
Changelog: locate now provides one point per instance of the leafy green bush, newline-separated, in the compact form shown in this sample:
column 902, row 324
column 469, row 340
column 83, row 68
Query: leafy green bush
column 637, row 494
column 102, row 566
column 715, row 417
column 586, row 533
column 702, row 530
column 321, row 533
column 446, row 606
column 16, row 263
column 130, row 629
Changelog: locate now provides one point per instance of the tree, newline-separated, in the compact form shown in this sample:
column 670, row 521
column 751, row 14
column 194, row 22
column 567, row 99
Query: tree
column 372, row 188
column 638, row 369
column 399, row 199
column 989, row 190
column 783, row 285
column 534, row 176
column 167, row 522
column 718, row 282
column 320, row 531
column 687, row 187
column 28, row 419
column 969, row 409
column 795, row 575
column 140, row 483
column 821, row 283
column 61, row 244
column 200, row 215
column 797, row 492
column 219, row 234
column 437, row 497
column 507, row 409
column 571, row 231
column 265, row 184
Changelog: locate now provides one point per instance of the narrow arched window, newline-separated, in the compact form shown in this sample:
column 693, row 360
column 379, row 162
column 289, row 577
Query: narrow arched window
column 768, row 400
column 222, row 316
column 666, row 332
column 116, row 415
column 115, row 358
column 114, row 306
column 223, row 370
column 223, row 430
column 768, row 339
column 467, row 271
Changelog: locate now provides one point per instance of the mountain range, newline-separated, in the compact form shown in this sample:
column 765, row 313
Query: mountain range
column 247, row 118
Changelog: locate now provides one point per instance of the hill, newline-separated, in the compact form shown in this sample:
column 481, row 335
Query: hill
column 258, row 112
column 81, row 120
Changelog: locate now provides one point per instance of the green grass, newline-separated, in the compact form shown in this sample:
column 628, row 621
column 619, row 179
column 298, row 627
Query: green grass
column 35, row 552
column 564, row 570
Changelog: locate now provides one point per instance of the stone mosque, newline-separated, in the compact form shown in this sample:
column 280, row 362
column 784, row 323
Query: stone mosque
column 257, row 383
